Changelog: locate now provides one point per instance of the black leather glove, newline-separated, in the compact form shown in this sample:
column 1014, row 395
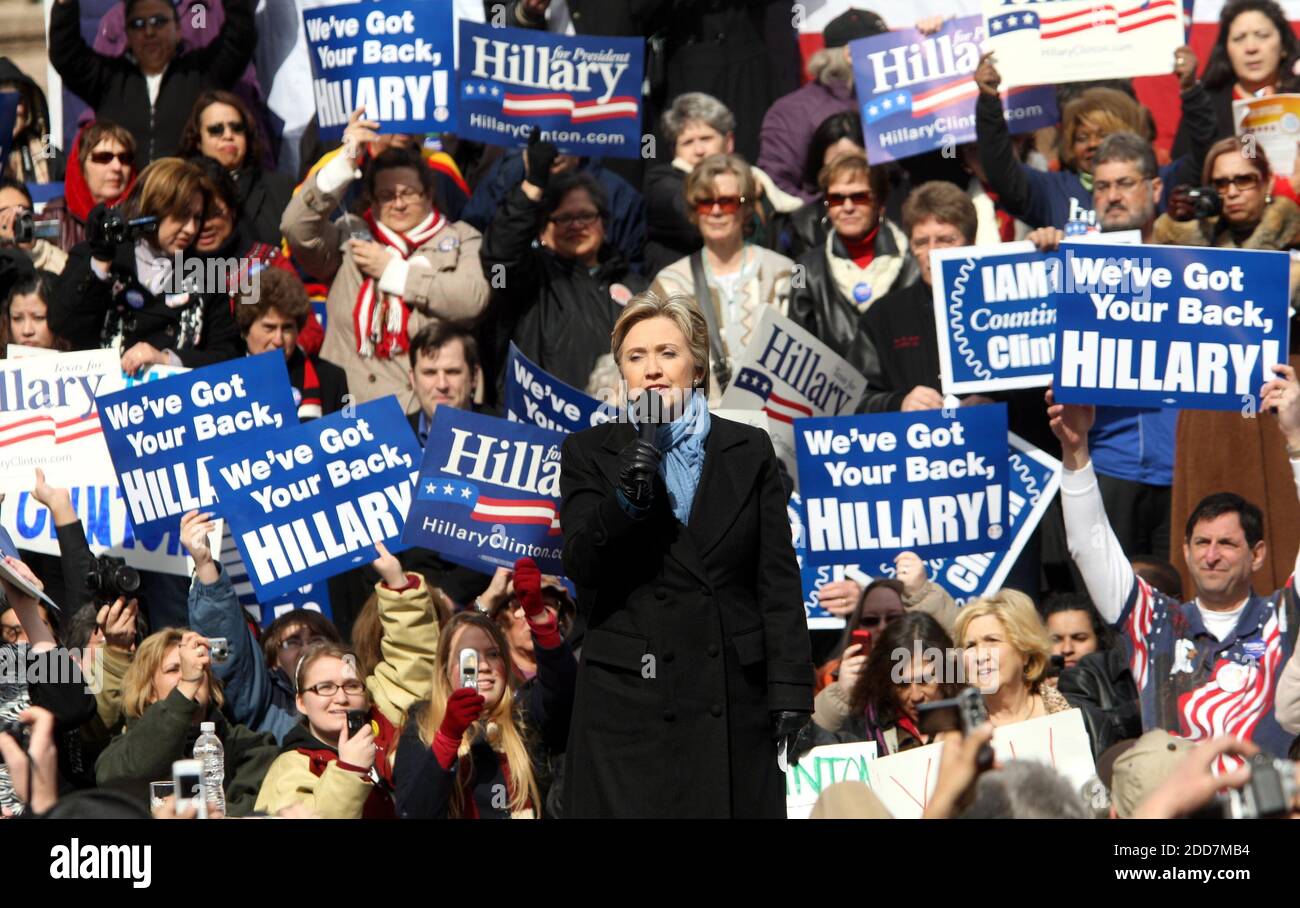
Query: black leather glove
column 103, row 245
column 794, row 730
column 637, row 465
column 539, row 156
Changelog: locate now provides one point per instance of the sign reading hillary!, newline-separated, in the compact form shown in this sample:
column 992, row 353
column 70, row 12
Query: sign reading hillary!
column 917, row 94
column 926, row 482
column 540, row 399
column 395, row 58
column 315, row 501
column 488, row 492
column 583, row 92
column 1170, row 326
column 162, row 434
column 1082, row 40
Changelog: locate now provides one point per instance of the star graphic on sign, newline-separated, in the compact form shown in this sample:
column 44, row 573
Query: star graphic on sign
column 482, row 89
column 997, row 25
column 887, row 103
column 1011, row 20
column 495, row 91
column 873, row 110
column 465, row 493
column 431, row 488
column 447, row 489
column 901, row 99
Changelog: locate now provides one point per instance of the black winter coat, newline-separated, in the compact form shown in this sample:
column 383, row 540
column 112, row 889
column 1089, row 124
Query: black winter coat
column 1102, row 687
column 116, row 88
column 694, row 634
column 263, row 196
column 669, row 233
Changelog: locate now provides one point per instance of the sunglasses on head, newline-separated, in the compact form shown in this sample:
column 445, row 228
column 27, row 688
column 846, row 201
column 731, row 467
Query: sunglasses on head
column 216, row 130
column 836, row 199
column 106, row 157
column 140, row 23
column 727, row 204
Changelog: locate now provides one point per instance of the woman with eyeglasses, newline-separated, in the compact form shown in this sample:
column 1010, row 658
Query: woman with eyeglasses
column 734, row 276
column 400, row 266
column 563, row 284
column 222, row 128
column 101, row 171
column 864, row 256
column 151, row 89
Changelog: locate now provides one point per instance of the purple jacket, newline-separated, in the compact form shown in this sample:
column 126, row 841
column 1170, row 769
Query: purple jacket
column 788, row 129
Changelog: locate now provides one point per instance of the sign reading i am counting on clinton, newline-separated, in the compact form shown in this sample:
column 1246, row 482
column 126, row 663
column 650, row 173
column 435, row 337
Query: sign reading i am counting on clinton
column 880, row 484
column 538, row 398
column 1170, row 326
column 162, row 434
column 917, row 94
column 488, row 492
column 583, row 92
column 1081, row 40
column 395, row 58
column 314, row 498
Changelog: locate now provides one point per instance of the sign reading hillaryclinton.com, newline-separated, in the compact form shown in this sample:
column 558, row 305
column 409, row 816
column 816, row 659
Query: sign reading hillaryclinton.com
column 928, row 482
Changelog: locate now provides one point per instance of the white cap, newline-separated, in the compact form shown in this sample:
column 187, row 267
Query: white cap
column 208, row 728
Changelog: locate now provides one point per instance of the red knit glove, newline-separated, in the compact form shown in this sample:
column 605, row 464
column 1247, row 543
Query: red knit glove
column 463, row 707
column 528, row 590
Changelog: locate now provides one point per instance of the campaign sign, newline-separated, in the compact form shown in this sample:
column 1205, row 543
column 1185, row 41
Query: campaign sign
column 317, row 496
column 880, row 484
column 812, row 579
column 1082, row 40
column 821, row 768
column 583, row 92
column 916, row 92
column 1170, row 326
column 395, row 58
column 535, row 397
column 488, row 492
column 162, row 434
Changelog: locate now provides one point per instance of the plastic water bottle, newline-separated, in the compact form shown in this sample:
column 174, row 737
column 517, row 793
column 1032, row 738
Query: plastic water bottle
column 212, row 757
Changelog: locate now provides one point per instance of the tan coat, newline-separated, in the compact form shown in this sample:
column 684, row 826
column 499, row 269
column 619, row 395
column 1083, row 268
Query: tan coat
column 445, row 282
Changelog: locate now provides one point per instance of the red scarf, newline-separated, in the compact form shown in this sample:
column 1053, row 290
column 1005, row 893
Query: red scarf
column 379, row 319
column 77, row 193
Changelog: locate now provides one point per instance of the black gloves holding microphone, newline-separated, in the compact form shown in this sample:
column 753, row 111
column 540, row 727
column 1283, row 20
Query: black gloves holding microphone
column 638, row 463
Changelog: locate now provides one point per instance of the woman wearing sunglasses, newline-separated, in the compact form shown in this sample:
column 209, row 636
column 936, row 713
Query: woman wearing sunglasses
column 733, row 277
column 101, row 171
column 151, row 89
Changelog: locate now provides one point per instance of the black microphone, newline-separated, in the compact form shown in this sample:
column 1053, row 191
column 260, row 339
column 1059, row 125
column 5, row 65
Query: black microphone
column 649, row 410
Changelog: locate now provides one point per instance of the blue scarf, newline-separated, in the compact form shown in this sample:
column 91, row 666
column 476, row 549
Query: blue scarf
column 682, row 444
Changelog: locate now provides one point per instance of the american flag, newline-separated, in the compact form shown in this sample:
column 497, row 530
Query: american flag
column 1122, row 18
column 538, row 511
column 552, row 104
column 62, row 431
column 923, row 104
column 775, row 406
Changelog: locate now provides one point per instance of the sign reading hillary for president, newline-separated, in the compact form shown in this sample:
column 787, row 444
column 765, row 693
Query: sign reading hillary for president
column 162, row 434
column 926, row 482
column 488, row 492
column 395, row 58
column 1082, row 40
column 916, row 92
column 315, row 497
column 1170, row 326
column 583, row 92
column 536, row 397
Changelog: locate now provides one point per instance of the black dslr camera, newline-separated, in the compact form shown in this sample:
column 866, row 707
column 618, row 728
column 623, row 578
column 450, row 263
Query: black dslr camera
column 1205, row 202
column 118, row 230
column 1269, row 793
column 28, row 230
column 109, row 578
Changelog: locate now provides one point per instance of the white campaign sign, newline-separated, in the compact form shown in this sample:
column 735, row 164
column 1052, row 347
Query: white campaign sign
column 822, row 767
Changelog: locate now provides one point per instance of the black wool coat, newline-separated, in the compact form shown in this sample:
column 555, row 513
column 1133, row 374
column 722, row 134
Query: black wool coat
column 695, row 634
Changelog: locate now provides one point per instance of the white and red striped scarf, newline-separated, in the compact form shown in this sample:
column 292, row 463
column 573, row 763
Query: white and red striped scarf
column 379, row 319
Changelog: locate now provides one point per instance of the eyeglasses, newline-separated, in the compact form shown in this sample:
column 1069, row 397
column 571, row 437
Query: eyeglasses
column 406, row 194
column 140, row 23
column 727, row 204
column 1243, row 182
column 217, row 130
column 860, row 199
column 353, row 688
column 583, row 219
column 125, row 158
column 1126, row 185
column 291, row 643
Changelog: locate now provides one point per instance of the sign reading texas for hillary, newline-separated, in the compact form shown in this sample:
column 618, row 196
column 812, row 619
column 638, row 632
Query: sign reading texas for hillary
column 538, row 398
column 395, row 58
column 1170, row 326
column 162, row 434
column 789, row 374
column 926, row 482
column 917, row 94
column 583, row 92
column 313, row 498
column 488, row 492
column 1081, row 40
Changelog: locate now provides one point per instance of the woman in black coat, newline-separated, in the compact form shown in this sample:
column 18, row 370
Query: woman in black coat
column 144, row 296
column 695, row 664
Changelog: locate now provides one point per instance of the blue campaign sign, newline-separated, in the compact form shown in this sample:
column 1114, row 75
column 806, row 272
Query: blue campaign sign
column 916, row 92
column 930, row 482
column 538, row 398
column 161, row 434
column 395, row 58
column 488, row 492
column 1170, row 326
column 314, row 499
column 994, row 316
column 583, row 92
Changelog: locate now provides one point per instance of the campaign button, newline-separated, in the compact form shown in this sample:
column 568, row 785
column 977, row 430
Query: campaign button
column 1232, row 676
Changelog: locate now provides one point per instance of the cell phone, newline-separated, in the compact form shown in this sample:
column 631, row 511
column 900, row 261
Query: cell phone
column 469, row 668
column 357, row 720
column 863, row 638
column 219, row 648
column 187, row 784
column 964, row 713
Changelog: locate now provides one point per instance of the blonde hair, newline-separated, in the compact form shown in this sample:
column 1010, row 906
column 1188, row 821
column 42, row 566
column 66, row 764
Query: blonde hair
column 504, row 729
column 322, row 649
column 700, row 180
column 165, row 189
column 679, row 308
column 1105, row 110
column 137, row 685
column 1024, row 628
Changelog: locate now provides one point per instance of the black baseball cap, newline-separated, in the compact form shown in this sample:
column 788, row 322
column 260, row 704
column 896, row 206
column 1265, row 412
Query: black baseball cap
column 852, row 25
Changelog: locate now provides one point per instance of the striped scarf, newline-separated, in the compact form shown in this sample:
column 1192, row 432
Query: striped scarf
column 379, row 318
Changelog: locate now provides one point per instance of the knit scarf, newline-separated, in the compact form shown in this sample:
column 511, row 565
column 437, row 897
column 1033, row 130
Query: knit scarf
column 682, row 442
column 863, row 286
column 379, row 319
